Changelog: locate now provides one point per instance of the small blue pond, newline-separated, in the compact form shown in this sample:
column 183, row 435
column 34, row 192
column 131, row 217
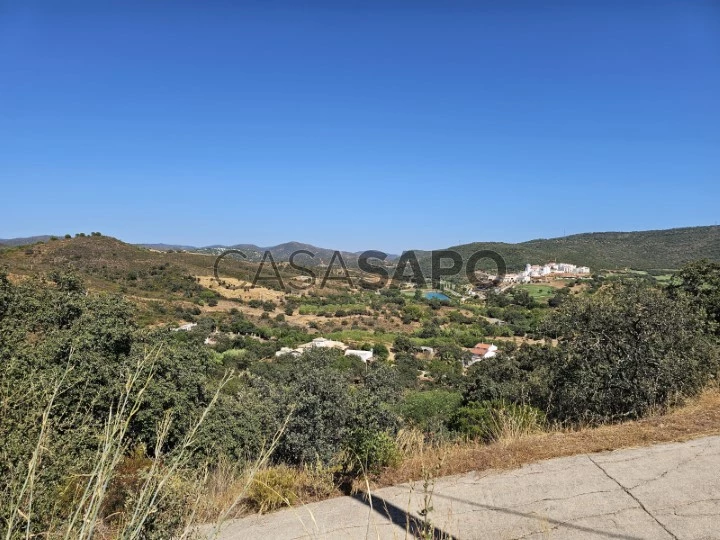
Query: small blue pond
column 436, row 296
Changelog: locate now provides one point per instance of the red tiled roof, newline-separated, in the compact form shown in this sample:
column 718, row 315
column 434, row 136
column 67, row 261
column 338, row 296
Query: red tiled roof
column 480, row 349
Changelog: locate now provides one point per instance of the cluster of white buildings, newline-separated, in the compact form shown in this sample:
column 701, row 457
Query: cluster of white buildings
column 553, row 268
column 540, row 271
column 321, row 342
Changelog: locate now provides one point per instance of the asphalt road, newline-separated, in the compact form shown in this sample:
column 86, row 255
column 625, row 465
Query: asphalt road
column 658, row 492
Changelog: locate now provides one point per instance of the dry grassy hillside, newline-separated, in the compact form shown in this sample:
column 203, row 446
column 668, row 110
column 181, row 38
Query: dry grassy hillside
column 160, row 282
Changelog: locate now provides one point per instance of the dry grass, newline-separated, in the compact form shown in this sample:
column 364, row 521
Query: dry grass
column 699, row 417
column 263, row 489
column 238, row 291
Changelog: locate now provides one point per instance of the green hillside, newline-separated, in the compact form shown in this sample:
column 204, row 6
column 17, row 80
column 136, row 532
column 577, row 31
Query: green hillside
column 643, row 250
column 106, row 263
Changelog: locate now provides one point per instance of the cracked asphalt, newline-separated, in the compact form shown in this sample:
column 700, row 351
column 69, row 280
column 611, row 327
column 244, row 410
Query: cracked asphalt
column 668, row 491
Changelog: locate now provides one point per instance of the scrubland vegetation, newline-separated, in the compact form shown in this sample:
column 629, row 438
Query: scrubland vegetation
column 115, row 426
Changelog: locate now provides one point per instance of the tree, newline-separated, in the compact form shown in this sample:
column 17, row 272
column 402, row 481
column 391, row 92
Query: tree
column 408, row 368
column 327, row 409
column 429, row 329
column 700, row 280
column 559, row 297
column 521, row 297
column 515, row 375
column 625, row 350
column 402, row 343
column 429, row 409
column 380, row 351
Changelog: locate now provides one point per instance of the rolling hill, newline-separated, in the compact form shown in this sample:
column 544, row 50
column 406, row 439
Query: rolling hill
column 24, row 241
column 642, row 250
column 107, row 258
column 106, row 263
column 280, row 252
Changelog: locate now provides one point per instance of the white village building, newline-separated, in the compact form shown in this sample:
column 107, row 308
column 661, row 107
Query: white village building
column 365, row 356
column 319, row 342
column 185, row 327
column 481, row 351
column 535, row 270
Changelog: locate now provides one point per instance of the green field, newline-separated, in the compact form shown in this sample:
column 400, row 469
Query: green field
column 662, row 279
column 363, row 335
column 539, row 293
column 311, row 309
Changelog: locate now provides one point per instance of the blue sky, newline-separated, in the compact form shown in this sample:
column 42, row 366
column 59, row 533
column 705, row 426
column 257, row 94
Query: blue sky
column 357, row 125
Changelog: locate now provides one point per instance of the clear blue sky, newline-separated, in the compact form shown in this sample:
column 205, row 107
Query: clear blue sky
column 357, row 125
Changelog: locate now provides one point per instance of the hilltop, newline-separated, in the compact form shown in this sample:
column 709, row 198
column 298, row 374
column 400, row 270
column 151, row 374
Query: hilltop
column 24, row 241
column 641, row 250
column 106, row 263
column 280, row 252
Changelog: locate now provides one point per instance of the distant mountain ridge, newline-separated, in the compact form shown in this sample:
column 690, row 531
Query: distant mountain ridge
column 280, row 252
column 24, row 241
column 641, row 250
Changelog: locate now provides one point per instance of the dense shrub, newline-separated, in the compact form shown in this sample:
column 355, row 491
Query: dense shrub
column 55, row 338
column 700, row 281
column 496, row 420
column 429, row 409
column 368, row 451
column 325, row 408
column 625, row 350
column 515, row 375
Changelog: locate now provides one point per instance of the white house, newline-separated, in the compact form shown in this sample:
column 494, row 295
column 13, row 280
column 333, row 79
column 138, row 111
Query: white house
column 319, row 343
column 481, row 351
column 322, row 342
column 365, row 356
column 185, row 327
column 288, row 350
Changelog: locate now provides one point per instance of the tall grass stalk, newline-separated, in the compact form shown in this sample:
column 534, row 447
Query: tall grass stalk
column 34, row 464
column 154, row 484
column 510, row 422
column 252, row 472
column 84, row 518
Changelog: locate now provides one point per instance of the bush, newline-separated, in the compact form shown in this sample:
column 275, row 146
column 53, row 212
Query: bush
column 380, row 351
column 496, row 420
column 626, row 350
column 430, row 408
column 368, row 452
column 272, row 488
column 516, row 375
column 402, row 343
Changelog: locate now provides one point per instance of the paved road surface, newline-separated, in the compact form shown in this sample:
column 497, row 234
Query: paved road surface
column 664, row 491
